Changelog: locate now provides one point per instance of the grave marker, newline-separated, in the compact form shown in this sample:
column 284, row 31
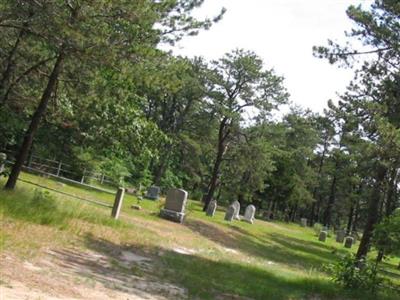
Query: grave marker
column 249, row 214
column 230, row 213
column 212, row 206
column 119, row 197
column 322, row 236
column 175, row 203
column 153, row 193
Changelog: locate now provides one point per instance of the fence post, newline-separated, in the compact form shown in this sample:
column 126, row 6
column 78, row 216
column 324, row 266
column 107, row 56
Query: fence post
column 102, row 178
column 59, row 168
column 119, row 197
column 83, row 175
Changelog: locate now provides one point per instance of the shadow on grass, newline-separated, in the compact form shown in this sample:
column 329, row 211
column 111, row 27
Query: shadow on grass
column 293, row 252
column 205, row 278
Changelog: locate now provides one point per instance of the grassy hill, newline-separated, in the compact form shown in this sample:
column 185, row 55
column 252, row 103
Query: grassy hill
column 57, row 247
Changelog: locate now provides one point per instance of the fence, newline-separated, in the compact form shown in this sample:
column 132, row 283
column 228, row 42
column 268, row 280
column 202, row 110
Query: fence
column 58, row 171
column 64, row 172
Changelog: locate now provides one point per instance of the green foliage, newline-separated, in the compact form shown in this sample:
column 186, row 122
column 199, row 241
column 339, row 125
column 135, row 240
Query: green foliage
column 387, row 235
column 355, row 274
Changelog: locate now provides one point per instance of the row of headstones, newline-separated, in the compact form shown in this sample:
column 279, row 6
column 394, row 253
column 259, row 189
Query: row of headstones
column 340, row 237
column 232, row 212
column 175, row 203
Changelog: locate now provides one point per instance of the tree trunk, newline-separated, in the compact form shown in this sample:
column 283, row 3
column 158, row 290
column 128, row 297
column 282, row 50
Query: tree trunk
column 321, row 164
column 350, row 219
column 391, row 199
column 6, row 76
column 35, row 121
column 379, row 257
column 331, row 201
column 373, row 208
column 217, row 164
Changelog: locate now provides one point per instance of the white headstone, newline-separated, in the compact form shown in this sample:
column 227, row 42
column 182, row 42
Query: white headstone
column 236, row 205
column 249, row 214
column 212, row 206
column 3, row 158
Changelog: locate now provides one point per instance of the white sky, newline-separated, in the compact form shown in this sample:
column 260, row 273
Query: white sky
column 283, row 33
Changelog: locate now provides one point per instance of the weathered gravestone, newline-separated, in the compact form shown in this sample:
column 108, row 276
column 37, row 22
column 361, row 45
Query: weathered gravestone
column 130, row 191
column 236, row 205
column 174, row 209
column 249, row 214
column 230, row 213
column 153, row 193
column 322, row 236
column 340, row 235
column 303, row 222
column 3, row 158
column 212, row 206
column 119, row 197
column 348, row 242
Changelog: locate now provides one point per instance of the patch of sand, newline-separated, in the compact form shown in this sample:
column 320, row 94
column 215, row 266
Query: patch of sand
column 76, row 274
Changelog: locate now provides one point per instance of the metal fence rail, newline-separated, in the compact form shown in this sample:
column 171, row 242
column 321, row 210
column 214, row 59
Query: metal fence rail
column 62, row 171
column 67, row 194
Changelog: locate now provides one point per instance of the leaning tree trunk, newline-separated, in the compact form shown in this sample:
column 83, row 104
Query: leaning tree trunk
column 6, row 76
column 373, row 209
column 35, row 121
column 214, row 178
column 222, row 135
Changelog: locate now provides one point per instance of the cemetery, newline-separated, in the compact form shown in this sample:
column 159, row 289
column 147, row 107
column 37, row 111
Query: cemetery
column 200, row 244
column 200, row 150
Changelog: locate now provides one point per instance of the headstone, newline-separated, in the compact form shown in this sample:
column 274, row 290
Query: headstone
column 249, row 214
column 340, row 235
column 130, row 191
column 3, row 158
column 303, row 222
column 348, row 242
column 175, row 203
column 322, row 236
column 137, row 207
column 230, row 213
column 153, row 193
column 236, row 205
column 119, row 197
column 212, row 206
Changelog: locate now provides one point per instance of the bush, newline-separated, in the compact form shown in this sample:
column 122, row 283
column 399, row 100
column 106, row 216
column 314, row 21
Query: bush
column 355, row 274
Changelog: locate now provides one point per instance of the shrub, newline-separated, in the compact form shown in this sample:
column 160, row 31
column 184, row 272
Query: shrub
column 355, row 274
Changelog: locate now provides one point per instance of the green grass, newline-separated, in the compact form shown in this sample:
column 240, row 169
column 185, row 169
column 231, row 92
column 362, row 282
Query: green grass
column 262, row 261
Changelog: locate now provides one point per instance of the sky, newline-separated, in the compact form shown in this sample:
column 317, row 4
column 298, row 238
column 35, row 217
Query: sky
column 282, row 33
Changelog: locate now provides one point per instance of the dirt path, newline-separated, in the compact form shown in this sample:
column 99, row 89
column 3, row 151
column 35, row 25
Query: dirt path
column 73, row 274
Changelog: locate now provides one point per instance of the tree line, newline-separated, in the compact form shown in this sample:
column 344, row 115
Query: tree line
column 86, row 82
